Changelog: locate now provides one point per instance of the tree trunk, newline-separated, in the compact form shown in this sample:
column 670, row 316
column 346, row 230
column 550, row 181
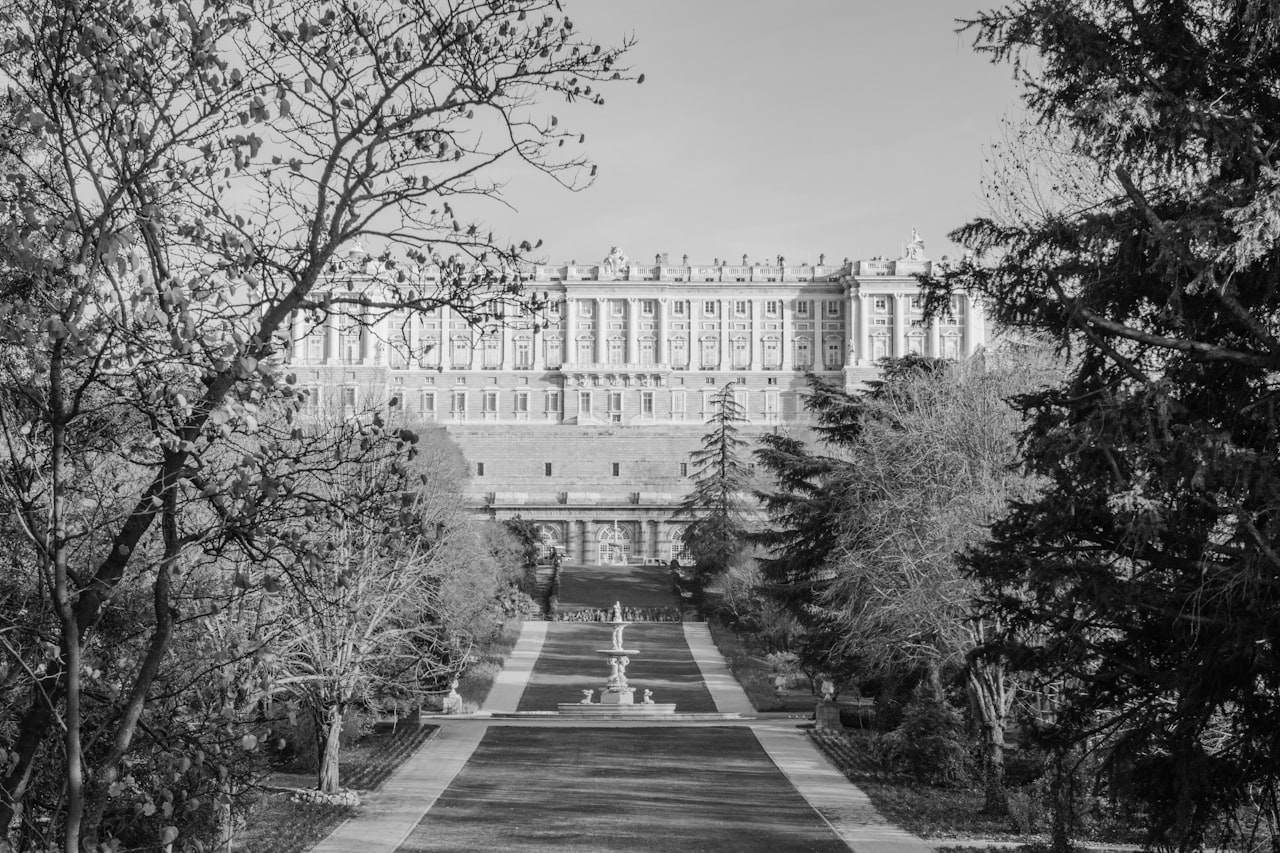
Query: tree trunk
column 1062, row 803
column 989, row 701
column 328, row 736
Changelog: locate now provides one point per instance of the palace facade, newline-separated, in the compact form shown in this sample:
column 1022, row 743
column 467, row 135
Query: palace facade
column 582, row 420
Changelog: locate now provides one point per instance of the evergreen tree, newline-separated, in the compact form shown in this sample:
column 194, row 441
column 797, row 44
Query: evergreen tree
column 1143, row 582
column 718, row 503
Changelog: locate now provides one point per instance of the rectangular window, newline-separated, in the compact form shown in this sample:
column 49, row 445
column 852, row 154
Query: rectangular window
column 709, row 309
column 677, row 404
column 615, row 307
column 522, row 402
column 429, row 405
column 459, row 403
column 802, row 309
column 740, row 308
column 646, row 403
column 647, row 307
column 546, row 469
column 315, row 346
column 833, row 308
column 771, row 308
column 677, row 308
column 479, row 469
column 617, row 469
column 881, row 303
column 684, row 469
column 584, row 402
column 349, row 397
column 915, row 303
column 615, row 407
column 490, row 402
column 553, row 402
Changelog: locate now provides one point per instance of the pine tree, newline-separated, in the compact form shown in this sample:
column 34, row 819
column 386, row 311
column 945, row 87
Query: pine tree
column 718, row 502
column 1143, row 583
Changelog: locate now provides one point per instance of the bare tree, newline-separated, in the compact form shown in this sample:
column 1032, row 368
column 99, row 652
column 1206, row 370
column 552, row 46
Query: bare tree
column 184, row 177
column 930, row 470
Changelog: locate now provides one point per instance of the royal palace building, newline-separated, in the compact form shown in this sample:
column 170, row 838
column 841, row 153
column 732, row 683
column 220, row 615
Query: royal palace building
column 582, row 419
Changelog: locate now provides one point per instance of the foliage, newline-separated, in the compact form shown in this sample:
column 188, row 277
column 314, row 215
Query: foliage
column 929, row 744
column 1142, row 584
column 179, row 181
column 717, row 503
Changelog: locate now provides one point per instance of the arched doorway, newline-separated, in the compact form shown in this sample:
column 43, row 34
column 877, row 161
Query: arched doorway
column 548, row 540
column 677, row 544
column 615, row 546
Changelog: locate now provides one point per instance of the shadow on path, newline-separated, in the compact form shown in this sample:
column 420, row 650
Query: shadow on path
column 652, row 789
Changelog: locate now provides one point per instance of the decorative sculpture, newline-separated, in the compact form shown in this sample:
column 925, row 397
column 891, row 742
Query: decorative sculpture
column 648, row 697
column 613, row 266
column 586, row 696
column 915, row 249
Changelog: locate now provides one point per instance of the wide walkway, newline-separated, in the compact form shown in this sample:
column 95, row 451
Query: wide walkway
column 534, row 783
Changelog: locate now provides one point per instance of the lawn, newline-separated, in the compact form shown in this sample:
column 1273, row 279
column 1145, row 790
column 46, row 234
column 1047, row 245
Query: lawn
column 637, row 789
column 601, row 586
column 568, row 665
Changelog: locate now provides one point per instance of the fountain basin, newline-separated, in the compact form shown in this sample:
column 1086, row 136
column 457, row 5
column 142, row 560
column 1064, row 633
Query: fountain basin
column 600, row 711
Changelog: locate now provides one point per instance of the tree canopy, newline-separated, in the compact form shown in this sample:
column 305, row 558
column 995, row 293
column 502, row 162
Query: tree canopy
column 181, row 181
column 1143, row 582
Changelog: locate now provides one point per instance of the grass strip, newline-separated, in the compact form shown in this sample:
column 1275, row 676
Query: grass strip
column 568, row 665
column 631, row 586
column 709, row 789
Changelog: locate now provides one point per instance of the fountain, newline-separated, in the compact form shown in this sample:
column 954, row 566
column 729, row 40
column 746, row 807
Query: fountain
column 617, row 698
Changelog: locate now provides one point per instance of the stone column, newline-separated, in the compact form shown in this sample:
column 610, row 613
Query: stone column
column 935, row 338
column 853, row 315
column 641, row 540
column 660, row 355
column 784, row 339
column 602, row 327
column 633, row 330
column 756, row 330
column 571, row 546
column 297, row 337
column 899, row 325
column 864, row 329
column 724, row 305
column 570, row 344
column 331, row 354
column 975, row 333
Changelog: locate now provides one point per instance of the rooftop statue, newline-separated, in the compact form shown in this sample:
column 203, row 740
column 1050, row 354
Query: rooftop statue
column 915, row 249
column 613, row 266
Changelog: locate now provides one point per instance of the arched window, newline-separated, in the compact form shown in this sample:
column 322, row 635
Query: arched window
column 524, row 352
column 804, row 354
column 555, row 350
column 646, row 350
column 493, row 351
column 710, row 353
column 832, row 353
column 679, row 354
column 772, row 353
column 548, row 541
column 615, row 546
column 677, row 543
column 460, row 352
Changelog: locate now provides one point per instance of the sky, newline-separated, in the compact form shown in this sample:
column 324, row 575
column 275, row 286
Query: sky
column 766, row 128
